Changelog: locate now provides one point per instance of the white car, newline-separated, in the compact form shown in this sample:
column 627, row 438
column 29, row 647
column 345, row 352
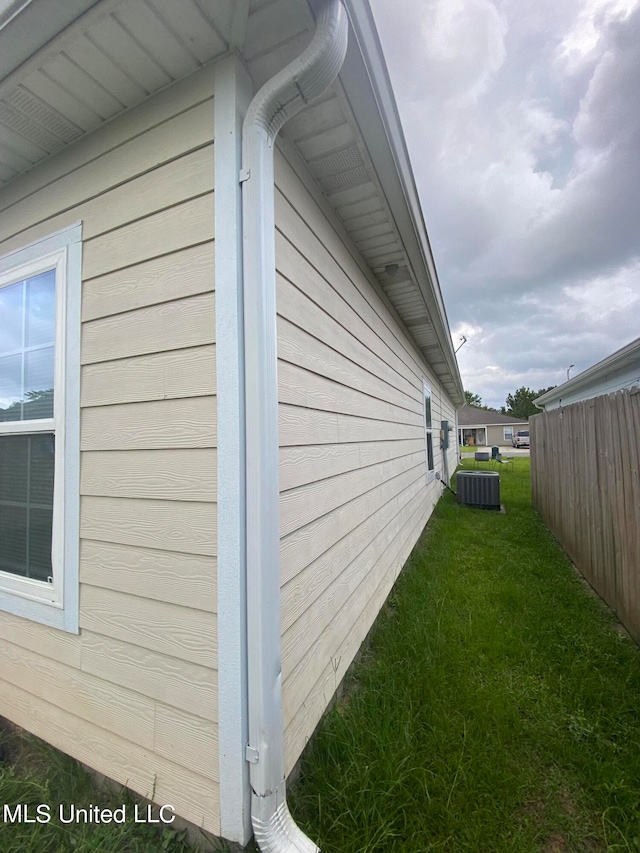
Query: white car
column 521, row 438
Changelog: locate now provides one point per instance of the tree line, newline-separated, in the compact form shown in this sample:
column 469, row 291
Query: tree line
column 519, row 404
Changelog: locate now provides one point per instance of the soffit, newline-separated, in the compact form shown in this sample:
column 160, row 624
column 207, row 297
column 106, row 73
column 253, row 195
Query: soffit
column 104, row 62
column 122, row 51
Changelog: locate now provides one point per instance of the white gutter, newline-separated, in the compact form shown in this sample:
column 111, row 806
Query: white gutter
column 278, row 100
column 627, row 357
column 9, row 9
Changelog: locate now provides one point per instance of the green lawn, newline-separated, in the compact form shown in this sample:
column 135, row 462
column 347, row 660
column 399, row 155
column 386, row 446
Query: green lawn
column 497, row 709
column 33, row 773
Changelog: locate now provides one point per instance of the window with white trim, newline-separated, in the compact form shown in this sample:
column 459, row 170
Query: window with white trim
column 39, row 429
column 428, row 431
column 508, row 433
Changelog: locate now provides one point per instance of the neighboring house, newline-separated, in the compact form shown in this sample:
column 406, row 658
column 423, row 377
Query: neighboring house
column 619, row 370
column 163, row 617
column 486, row 427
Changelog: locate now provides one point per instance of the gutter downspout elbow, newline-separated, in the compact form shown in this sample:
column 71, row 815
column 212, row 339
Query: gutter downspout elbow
column 278, row 100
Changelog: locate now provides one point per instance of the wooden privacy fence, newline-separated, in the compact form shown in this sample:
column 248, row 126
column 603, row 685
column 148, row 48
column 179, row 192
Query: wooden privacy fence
column 585, row 484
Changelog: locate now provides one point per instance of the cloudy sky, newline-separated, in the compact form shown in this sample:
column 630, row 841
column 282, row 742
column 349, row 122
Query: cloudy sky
column 523, row 125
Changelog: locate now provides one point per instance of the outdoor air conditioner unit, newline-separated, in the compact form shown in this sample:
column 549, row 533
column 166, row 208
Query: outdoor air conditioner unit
column 479, row 488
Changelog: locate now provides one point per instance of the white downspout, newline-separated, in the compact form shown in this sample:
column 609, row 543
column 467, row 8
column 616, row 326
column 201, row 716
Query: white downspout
column 278, row 100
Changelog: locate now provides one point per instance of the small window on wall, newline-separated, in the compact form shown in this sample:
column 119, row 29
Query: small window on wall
column 508, row 433
column 428, row 431
column 39, row 426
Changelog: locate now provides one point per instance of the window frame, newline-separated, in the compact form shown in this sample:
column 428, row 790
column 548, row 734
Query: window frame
column 56, row 603
column 504, row 433
column 428, row 431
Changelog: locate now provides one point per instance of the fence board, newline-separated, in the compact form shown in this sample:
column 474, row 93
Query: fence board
column 585, row 483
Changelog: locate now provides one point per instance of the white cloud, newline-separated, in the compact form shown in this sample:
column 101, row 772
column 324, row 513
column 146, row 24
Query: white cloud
column 581, row 40
column 523, row 123
column 465, row 43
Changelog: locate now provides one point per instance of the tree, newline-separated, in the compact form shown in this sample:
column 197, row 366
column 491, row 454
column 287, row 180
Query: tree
column 520, row 404
column 472, row 399
column 544, row 391
column 37, row 404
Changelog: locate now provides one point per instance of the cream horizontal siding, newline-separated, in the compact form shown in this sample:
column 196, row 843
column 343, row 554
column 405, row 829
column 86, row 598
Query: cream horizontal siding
column 188, row 223
column 168, row 525
column 301, row 425
column 304, row 504
column 294, row 265
column 149, row 773
column 186, row 272
column 302, row 546
column 182, row 632
column 158, row 676
column 354, row 491
column 181, row 323
column 158, row 474
column 352, row 623
column 189, row 422
column 320, row 574
column 170, row 375
column 135, row 694
column 171, row 576
column 301, row 465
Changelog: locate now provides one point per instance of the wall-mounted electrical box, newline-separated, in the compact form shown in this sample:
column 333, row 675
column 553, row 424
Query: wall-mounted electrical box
column 444, row 435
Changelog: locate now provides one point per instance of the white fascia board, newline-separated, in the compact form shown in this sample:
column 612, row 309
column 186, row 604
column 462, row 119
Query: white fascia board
column 623, row 359
column 366, row 84
column 233, row 92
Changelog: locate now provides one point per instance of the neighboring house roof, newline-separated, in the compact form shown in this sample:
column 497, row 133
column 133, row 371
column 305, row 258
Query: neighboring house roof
column 619, row 370
column 473, row 416
column 68, row 67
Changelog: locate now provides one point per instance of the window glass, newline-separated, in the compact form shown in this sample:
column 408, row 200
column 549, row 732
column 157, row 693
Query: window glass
column 10, row 387
column 11, row 315
column 38, row 384
column 427, row 410
column 40, row 310
column 27, row 337
column 428, row 427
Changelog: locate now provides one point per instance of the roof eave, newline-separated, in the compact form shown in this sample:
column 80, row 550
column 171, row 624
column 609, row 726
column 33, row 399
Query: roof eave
column 367, row 86
column 366, row 82
column 26, row 26
column 618, row 360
